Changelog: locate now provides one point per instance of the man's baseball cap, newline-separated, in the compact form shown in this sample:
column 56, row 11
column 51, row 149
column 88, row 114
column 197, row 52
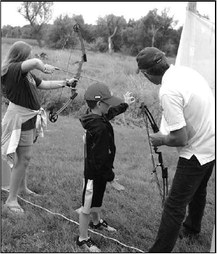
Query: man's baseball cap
column 100, row 92
column 149, row 57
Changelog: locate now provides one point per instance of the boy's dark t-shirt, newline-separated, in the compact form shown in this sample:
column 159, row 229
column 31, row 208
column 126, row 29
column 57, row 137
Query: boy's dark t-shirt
column 100, row 143
column 20, row 88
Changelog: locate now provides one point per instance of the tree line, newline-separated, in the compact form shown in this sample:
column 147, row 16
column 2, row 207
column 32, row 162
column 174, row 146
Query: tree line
column 111, row 33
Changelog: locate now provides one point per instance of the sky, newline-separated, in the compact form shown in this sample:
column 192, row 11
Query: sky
column 91, row 11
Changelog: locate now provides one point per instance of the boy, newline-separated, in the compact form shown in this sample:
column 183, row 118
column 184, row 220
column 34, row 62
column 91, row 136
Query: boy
column 99, row 157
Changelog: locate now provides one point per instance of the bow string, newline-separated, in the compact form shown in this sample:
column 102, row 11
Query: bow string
column 53, row 116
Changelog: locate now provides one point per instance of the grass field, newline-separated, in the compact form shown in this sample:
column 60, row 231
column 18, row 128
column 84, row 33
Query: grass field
column 56, row 172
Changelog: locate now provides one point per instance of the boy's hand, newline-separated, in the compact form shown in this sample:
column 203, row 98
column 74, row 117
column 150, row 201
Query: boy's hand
column 128, row 98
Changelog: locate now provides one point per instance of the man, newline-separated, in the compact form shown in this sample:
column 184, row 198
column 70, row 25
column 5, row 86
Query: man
column 188, row 123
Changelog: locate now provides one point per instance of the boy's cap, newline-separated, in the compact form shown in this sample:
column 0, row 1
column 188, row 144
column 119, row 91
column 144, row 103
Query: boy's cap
column 148, row 57
column 100, row 92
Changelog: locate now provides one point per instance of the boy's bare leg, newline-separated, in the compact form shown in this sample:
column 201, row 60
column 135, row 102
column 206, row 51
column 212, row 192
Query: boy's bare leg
column 84, row 241
column 83, row 225
column 95, row 217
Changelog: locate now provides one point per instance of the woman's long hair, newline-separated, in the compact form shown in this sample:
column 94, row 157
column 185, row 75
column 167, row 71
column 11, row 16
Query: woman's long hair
column 18, row 52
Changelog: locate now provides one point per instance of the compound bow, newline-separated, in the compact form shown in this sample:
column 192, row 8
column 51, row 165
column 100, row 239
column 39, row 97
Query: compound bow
column 53, row 116
column 146, row 112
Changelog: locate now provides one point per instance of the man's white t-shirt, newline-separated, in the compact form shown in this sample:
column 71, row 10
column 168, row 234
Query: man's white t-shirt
column 187, row 100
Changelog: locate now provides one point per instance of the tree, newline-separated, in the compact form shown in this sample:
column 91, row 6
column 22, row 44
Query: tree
column 131, row 36
column 151, row 30
column 107, row 26
column 153, row 24
column 6, row 31
column 11, row 32
column 110, row 43
column 60, row 35
column 26, row 32
column 16, row 32
column 38, row 14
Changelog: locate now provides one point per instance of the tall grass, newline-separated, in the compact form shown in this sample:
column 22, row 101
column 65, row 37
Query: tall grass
column 117, row 71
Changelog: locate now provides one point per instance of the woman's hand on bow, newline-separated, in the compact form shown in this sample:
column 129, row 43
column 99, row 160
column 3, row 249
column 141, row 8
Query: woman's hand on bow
column 71, row 82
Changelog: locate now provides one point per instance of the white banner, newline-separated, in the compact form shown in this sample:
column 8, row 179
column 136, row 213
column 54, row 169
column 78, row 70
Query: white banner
column 197, row 47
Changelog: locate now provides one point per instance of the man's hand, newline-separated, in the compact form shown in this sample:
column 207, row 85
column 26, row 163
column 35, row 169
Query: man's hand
column 157, row 139
column 174, row 138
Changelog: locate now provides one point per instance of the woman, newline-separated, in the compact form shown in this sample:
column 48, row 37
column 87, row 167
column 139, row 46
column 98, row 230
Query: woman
column 20, row 86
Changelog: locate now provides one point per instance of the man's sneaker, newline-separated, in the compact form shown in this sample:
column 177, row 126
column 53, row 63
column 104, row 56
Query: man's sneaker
column 87, row 245
column 185, row 232
column 102, row 225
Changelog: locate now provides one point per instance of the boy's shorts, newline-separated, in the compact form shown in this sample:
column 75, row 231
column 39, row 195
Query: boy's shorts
column 26, row 138
column 93, row 192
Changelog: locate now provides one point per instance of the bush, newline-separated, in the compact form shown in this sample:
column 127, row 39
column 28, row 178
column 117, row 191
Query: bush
column 61, row 34
column 98, row 45
column 170, row 49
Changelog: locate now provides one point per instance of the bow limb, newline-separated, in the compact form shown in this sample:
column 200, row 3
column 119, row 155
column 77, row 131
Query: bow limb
column 84, row 56
column 54, row 116
column 152, row 158
column 150, row 117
